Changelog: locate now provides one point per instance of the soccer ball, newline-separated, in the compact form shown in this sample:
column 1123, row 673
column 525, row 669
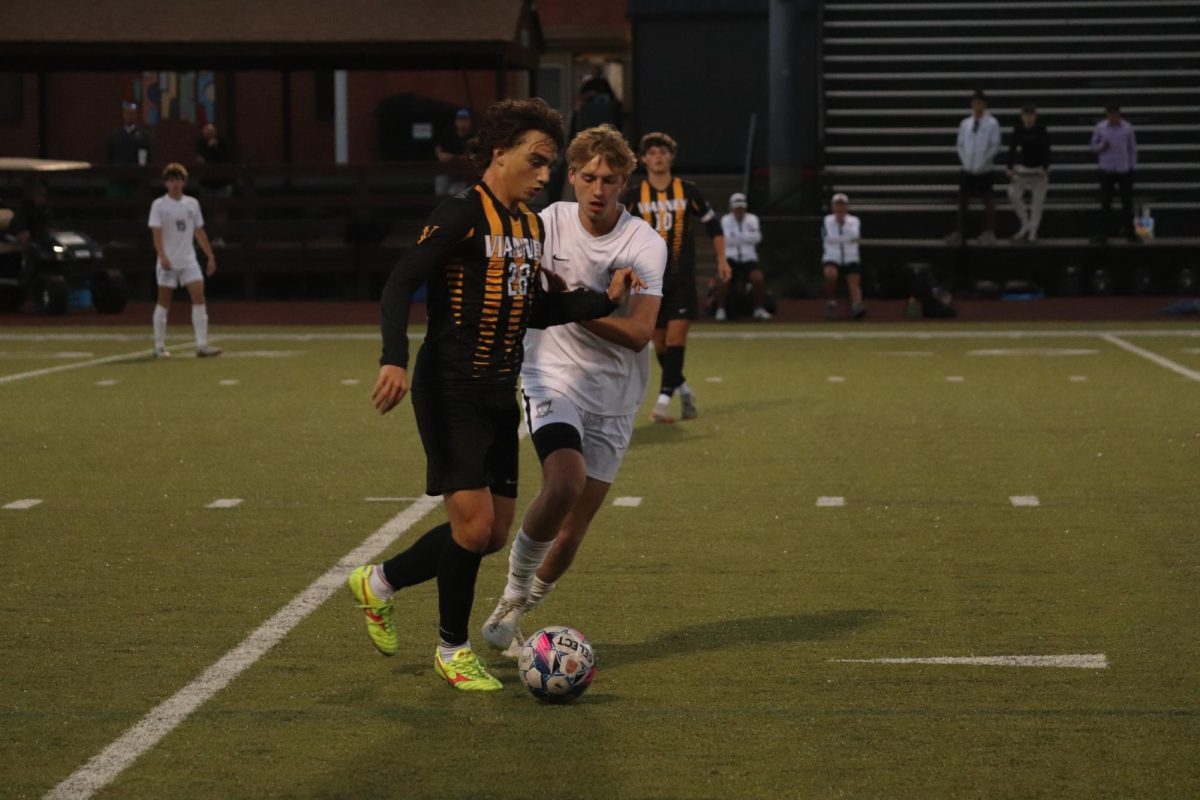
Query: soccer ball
column 557, row 664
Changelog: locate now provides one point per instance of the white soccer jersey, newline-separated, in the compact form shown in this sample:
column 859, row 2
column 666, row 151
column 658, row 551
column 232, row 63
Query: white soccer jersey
column 179, row 220
column 599, row 376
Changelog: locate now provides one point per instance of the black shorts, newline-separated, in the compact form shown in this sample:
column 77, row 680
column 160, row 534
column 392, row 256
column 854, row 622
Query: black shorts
column 470, row 438
column 853, row 268
column 976, row 185
column 679, row 299
column 741, row 270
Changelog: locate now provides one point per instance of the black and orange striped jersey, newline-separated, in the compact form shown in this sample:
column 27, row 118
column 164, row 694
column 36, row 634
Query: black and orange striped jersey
column 482, row 264
column 671, row 212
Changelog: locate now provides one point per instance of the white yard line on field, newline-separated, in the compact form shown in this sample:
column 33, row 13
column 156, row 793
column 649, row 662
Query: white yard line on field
column 23, row 505
column 1024, row 501
column 225, row 502
column 1068, row 661
column 831, row 502
column 627, row 502
column 1163, row 362
column 77, row 365
column 166, row 716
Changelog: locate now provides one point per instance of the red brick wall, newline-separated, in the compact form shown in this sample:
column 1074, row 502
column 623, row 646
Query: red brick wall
column 85, row 106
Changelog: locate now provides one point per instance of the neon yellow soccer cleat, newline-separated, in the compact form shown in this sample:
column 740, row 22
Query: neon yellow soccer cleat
column 378, row 612
column 466, row 672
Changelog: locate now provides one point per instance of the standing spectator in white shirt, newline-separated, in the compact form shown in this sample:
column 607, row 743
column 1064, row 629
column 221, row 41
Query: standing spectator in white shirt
column 978, row 144
column 742, row 236
column 840, row 233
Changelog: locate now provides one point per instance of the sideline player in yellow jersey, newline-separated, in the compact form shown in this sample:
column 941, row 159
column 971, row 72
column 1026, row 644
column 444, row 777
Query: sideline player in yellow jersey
column 481, row 256
column 670, row 204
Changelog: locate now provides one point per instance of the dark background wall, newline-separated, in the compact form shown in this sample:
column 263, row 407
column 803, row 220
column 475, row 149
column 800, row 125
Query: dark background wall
column 700, row 71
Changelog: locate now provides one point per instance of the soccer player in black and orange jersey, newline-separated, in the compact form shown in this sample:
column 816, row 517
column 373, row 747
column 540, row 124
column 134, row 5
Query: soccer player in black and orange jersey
column 670, row 204
column 481, row 257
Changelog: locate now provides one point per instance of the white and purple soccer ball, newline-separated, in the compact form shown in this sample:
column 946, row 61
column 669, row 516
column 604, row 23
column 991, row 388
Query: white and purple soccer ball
column 557, row 664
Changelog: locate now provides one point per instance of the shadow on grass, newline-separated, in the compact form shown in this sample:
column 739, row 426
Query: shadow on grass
column 733, row 633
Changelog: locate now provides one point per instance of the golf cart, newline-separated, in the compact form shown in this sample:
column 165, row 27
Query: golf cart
column 58, row 268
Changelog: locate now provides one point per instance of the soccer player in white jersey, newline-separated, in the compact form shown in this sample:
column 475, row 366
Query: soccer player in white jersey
column 581, row 383
column 175, row 220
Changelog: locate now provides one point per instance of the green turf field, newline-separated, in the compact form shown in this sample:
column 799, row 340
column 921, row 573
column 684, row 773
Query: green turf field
column 723, row 608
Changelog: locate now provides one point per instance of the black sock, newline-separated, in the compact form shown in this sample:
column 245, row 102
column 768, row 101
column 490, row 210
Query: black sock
column 418, row 563
column 672, row 374
column 456, row 591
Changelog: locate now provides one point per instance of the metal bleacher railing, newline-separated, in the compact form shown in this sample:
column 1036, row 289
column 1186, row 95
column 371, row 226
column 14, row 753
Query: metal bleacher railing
column 898, row 76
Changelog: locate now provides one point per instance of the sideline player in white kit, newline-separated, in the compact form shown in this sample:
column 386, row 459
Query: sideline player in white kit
column 175, row 219
column 582, row 383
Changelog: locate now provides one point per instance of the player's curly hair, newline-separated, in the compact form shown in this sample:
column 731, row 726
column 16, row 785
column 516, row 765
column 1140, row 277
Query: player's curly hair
column 175, row 170
column 657, row 139
column 505, row 122
column 604, row 141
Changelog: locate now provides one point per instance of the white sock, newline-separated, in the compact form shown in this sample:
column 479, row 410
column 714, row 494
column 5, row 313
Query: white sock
column 448, row 650
column 378, row 583
column 160, row 326
column 524, row 559
column 663, row 399
column 200, row 324
column 538, row 591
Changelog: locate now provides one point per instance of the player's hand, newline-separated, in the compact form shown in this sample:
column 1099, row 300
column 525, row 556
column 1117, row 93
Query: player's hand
column 166, row 262
column 390, row 388
column 724, row 271
column 624, row 281
column 212, row 266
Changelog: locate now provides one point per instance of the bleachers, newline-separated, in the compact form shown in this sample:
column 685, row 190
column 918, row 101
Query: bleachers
column 897, row 78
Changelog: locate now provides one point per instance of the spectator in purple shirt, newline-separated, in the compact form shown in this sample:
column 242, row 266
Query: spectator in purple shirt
column 1116, row 148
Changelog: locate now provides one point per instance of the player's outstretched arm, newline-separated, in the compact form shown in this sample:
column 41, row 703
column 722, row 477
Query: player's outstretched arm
column 559, row 308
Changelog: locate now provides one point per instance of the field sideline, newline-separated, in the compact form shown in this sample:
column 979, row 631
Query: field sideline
column 853, row 505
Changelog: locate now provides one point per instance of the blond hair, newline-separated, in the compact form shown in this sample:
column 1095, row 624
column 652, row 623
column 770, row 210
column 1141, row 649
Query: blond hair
column 175, row 169
column 604, row 141
column 657, row 139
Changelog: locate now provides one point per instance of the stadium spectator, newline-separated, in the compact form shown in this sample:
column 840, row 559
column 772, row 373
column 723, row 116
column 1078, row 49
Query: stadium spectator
column 742, row 236
column 452, row 149
column 214, row 149
column 840, row 233
column 32, row 218
column 1115, row 146
column 129, row 143
column 1032, row 174
column 978, row 144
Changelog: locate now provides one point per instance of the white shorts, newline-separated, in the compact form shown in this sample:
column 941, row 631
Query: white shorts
column 175, row 277
column 605, row 439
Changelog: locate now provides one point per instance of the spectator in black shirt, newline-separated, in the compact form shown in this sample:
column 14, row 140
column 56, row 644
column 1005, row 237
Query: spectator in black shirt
column 214, row 149
column 1030, row 174
column 452, row 149
column 128, row 144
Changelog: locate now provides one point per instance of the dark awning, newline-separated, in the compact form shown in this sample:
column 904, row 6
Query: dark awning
column 270, row 34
